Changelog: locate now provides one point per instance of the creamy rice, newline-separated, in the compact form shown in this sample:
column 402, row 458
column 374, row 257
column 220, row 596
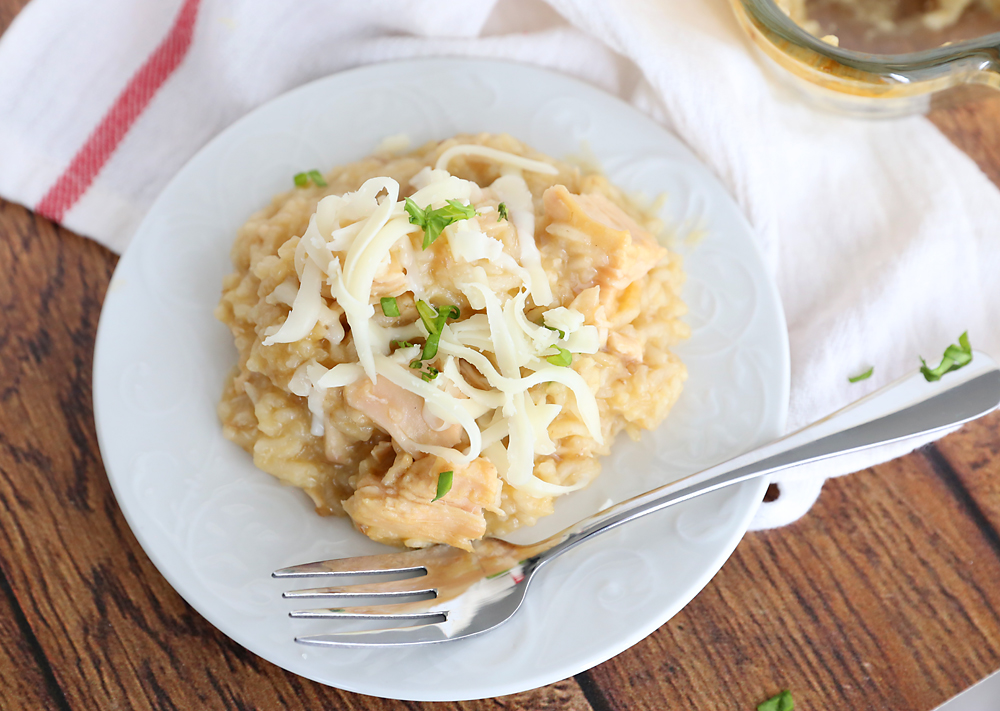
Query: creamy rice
column 600, row 260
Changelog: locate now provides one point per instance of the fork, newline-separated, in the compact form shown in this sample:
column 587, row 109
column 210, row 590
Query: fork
column 447, row 593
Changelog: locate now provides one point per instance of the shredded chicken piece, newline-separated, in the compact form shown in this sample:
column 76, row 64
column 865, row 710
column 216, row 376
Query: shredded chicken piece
column 626, row 345
column 628, row 251
column 400, row 413
column 398, row 506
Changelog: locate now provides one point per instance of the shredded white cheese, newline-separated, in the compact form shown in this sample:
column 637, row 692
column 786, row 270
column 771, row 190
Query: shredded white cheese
column 340, row 375
column 566, row 320
column 284, row 293
column 513, row 192
column 347, row 242
column 396, row 143
column 503, row 157
column 305, row 382
column 305, row 309
column 439, row 191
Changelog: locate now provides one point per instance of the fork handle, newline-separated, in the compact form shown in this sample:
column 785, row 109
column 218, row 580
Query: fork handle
column 908, row 408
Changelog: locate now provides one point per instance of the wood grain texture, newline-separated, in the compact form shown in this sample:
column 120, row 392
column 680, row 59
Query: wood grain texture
column 885, row 597
column 26, row 681
column 972, row 455
column 975, row 129
column 8, row 11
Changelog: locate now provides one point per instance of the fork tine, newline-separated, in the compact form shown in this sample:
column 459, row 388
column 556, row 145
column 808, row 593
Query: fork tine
column 360, row 565
column 395, row 588
column 378, row 612
column 423, row 634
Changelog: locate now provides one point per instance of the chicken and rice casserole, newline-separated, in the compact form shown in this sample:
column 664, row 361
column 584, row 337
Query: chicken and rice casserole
column 439, row 344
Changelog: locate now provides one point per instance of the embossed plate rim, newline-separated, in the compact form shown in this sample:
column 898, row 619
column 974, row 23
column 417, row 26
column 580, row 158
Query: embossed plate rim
column 149, row 290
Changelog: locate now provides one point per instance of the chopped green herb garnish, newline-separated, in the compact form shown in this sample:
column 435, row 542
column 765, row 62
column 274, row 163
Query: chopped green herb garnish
column 864, row 376
column 432, row 222
column 502, row 209
column 430, row 346
column 781, row 702
column 502, row 572
column 389, row 306
column 444, row 484
column 562, row 334
column 402, row 344
column 954, row 357
column 563, row 358
column 425, row 375
column 435, row 318
column 428, row 314
column 302, row 179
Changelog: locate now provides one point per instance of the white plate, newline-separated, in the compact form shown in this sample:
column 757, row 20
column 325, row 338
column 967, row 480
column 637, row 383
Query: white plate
column 216, row 527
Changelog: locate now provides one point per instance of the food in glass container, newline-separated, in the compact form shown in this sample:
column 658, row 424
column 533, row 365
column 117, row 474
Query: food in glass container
column 894, row 26
column 439, row 344
column 841, row 63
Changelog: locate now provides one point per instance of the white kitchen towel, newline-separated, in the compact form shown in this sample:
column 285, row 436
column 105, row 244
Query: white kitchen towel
column 879, row 234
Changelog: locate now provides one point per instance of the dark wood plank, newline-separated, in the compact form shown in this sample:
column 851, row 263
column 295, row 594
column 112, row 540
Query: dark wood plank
column 8, row 11
column 973, row 455
column 115, row 634
column 886, row 596
column 26, row 679
column 975, row 128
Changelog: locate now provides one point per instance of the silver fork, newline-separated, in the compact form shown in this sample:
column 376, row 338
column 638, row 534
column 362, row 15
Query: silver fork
column 451, row 593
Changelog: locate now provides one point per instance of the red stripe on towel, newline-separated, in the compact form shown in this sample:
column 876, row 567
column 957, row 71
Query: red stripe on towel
column 129, row 105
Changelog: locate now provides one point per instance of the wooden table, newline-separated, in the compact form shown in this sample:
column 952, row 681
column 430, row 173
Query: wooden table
column 886, row 596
